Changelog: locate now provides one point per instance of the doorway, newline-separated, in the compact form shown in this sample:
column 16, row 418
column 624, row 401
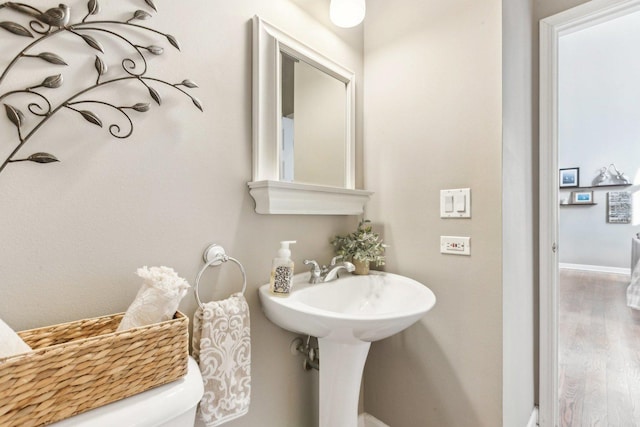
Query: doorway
column 552, row 31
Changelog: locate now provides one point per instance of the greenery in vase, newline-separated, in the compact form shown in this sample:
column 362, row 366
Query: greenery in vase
column 362, row 245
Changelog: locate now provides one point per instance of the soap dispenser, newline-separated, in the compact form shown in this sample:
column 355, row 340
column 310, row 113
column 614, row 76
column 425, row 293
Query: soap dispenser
column 282, row 270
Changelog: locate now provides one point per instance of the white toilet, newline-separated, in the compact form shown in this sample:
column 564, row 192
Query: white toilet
column 169, row 405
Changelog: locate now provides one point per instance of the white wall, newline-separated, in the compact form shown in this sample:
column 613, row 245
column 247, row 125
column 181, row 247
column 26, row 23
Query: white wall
column 599, row 98
column 434, row 121
column 518, row 204
column 73, row 233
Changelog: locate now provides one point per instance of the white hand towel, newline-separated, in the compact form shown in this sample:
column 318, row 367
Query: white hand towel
column 10, row 343
column 157, row 300
column 222, row 347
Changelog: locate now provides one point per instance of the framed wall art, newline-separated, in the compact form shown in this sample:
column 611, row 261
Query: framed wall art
column 569, row 177
column 582, row 197
column 619, row 207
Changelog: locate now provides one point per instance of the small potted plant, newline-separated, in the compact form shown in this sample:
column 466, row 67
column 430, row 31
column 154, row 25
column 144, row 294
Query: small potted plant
column 361, row 247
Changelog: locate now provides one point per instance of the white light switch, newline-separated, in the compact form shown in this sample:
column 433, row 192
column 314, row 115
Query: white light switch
column 448, row 203
column 455, row 245
column 460, row 202
column 455, row 203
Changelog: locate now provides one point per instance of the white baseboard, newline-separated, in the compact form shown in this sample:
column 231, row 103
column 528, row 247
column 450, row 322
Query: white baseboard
column 597, row 268
column 368, row 420
column 533, row 420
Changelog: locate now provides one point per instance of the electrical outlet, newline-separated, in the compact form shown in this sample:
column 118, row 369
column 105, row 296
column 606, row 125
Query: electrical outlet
column 455, row 245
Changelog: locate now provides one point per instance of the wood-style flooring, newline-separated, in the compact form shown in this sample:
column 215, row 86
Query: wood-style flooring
column 598, row 351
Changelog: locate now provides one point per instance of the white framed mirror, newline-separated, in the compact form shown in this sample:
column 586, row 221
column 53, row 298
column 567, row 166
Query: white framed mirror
column 303, row 129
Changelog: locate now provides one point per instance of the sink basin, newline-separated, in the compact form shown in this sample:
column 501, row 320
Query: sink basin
column 366, row 308
column 346, row 315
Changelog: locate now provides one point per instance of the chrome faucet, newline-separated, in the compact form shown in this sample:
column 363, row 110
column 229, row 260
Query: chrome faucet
column 332, row 273
column 325, row 274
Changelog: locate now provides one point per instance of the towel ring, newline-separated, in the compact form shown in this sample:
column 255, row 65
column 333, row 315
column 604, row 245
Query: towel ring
column 214, row 256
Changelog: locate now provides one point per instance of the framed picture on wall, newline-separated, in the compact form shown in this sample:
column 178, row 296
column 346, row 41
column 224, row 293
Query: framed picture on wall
column 581, row 197
column 569, row 177
column 619, row 207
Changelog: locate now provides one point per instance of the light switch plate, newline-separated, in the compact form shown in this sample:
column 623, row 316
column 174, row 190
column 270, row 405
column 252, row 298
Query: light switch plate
column 460, row 198
column 455, row 245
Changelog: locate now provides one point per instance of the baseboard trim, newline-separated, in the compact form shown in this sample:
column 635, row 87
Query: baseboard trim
column 368, row 420
column 597, row 268
column 533, row 420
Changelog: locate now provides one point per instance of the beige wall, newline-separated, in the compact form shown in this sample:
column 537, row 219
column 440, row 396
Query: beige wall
column 72, row 234
column 518, row 200
column 433, row 121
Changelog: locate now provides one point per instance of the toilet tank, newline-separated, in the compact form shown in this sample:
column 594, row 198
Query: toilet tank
column 169, row 405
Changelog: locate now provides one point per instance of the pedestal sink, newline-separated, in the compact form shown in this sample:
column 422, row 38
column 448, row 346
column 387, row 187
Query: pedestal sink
column 346, row 315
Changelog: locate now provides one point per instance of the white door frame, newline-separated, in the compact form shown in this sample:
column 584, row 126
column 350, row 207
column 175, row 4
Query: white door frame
column 551, row 30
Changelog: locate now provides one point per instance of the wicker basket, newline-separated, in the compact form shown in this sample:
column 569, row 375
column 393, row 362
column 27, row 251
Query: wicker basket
column 81, row 365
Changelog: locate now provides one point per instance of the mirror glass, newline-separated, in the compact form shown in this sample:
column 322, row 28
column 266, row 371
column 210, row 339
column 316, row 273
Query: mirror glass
column 314, row 125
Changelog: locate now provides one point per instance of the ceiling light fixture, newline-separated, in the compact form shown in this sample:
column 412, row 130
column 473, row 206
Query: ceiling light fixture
column 347, row 13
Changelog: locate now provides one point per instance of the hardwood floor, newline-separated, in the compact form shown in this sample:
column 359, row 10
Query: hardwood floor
column 598, row 351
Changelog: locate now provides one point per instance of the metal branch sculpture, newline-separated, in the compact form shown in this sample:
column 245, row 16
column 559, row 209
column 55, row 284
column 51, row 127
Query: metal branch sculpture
column 54, row 21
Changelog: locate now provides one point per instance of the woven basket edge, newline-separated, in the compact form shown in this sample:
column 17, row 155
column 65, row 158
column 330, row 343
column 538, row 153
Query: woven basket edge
column 179, row 317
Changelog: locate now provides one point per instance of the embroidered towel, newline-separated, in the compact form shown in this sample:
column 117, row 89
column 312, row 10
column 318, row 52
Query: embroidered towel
column 10, row 343
column 222, row 348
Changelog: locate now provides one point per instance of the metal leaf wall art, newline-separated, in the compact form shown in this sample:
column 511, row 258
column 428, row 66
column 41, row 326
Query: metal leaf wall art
column 43, row 25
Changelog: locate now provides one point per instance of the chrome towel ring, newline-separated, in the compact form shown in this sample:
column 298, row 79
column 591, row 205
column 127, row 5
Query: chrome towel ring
column 214, row 256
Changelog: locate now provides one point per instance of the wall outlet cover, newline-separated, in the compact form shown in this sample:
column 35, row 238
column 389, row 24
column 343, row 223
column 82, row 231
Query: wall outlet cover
column 455, row 245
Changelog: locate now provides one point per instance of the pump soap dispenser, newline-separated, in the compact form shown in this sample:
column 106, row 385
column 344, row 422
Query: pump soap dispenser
column 282, row 270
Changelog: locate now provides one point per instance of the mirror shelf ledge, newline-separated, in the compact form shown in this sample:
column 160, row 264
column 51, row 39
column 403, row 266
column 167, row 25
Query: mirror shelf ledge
column 278, row 197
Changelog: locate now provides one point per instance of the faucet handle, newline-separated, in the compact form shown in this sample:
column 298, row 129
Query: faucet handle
column 315, row 271
column 334, row 260
column 315, row 267
column 349, row 266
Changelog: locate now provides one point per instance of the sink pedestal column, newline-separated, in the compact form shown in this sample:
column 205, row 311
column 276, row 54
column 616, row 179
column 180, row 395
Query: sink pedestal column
column 341, row 368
